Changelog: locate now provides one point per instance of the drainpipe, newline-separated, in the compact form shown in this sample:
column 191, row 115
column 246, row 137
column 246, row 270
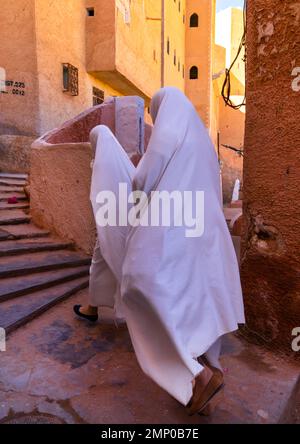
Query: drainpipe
column 162, row 82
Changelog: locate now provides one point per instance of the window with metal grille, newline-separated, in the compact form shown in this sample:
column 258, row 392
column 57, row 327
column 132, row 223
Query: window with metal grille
column 98, row 96
column 70, row 79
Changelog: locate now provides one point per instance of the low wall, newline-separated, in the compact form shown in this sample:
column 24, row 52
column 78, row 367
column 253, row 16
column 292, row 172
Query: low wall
column 59, row 191
column 15, row 153
column 60, row 172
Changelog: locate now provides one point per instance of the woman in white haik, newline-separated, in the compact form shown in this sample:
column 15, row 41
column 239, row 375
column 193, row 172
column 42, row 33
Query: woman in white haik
column 179, row 295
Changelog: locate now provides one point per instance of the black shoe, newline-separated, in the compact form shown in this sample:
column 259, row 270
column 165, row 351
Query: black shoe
column 91, row 318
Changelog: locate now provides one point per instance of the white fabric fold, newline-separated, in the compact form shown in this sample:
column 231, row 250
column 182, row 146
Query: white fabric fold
column 179, row 295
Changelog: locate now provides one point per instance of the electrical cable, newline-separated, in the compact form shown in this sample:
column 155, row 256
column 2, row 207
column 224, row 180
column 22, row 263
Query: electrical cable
column 226, row 89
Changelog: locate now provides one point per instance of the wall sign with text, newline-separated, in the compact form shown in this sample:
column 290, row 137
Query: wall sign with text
column 12, row 87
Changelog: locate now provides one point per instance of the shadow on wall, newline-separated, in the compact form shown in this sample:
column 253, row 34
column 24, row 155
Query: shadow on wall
column 60, row 171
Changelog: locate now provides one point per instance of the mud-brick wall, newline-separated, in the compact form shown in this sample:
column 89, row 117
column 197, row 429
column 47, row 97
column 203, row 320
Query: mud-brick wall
column 270, row 262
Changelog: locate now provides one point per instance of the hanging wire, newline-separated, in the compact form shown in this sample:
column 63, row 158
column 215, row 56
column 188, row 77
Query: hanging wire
column 236, row 150
column 226, row 89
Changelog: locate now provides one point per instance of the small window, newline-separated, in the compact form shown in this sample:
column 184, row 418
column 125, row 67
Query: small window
column 90, row 12
column 154, row 55
column 179, row 6
column 194, row 73
column 98, row 96
column 175, row 58
column 70, row 79
column 168, row 46
column 183, row 18
column 194, row 21
column 183, row 71
column 179, row 66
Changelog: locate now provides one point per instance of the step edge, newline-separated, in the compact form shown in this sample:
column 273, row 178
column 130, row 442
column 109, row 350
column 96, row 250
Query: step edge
column 16, row 221
column 39, row 311
column 36, row 249
column 18, row 207
column 44, row 285
column 50, row 267
column 28, row 236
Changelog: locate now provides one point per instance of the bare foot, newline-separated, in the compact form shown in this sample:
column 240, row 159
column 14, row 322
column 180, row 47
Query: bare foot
column 207, row 385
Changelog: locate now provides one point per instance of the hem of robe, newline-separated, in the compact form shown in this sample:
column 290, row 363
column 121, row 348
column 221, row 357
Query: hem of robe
column 183, row 386
column 204, row 350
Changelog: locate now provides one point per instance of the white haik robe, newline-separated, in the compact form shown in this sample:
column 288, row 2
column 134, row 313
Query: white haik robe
column 179, row 295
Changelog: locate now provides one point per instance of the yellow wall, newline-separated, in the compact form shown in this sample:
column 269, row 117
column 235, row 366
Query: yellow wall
column 38, row 36
column 231, row 123
column 115, row 56
column 100, row 38
column 18, row 113
column 174, row 30
column 138, row 45
column 237, row 29
column 229, row 30
column 199, row 42
column 232, row 127
column 60, row 35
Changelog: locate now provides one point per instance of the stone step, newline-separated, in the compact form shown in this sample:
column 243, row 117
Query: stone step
column 15, row 287
column 15, row 183
column 38, row 262
column 9, row 189
column 15, row 313
column 25, row 246
column 4, row 235
column 16, row 176
column 13, row 217
column 18, row 206
column 5, row 196
column 22, row 231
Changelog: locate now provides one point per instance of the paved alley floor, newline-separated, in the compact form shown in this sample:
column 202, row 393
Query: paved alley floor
column 59, row 369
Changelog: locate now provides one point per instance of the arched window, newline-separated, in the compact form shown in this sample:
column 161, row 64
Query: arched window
column 194, row 21
column 194, row 73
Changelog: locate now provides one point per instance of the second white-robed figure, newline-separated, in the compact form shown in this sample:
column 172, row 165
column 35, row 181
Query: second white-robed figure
column 179, row 294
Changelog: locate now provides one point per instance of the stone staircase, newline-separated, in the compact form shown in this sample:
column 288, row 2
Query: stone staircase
column 37, row 270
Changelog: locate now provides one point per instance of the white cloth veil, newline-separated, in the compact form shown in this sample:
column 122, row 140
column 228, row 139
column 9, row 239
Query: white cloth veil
column 179, row 294
column 111, row 167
